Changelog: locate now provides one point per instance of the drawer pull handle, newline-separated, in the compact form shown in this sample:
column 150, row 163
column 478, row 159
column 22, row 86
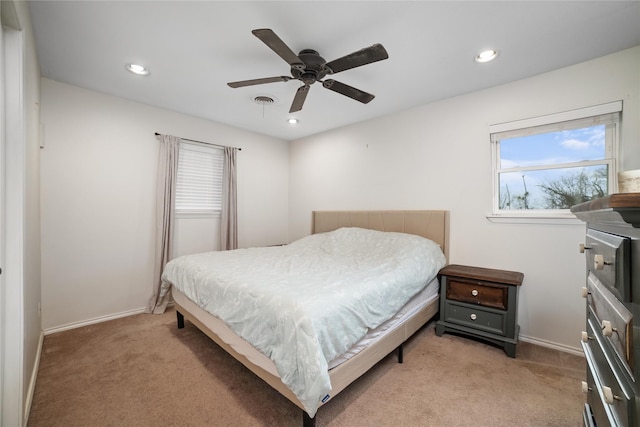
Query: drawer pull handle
column 585, row 292
column 608, row 394
column 474, row 292
column 583, row 248
column 585, row 387
column 609, row 397
column 585, row 337
column 473, row 316
column 599, row 262
column 607, row 329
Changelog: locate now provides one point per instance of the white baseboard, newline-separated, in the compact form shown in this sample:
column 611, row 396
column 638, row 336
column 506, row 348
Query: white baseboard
column 93, row 321
column 537, row 341
column 32, row 382
column 560, row 347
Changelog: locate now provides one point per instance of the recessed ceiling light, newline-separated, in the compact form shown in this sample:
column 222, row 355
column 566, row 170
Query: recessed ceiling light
column 292, row 121
column 487, row 55
column 137, row 69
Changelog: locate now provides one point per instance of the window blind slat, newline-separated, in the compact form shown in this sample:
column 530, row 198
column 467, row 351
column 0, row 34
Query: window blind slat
column 199, row 183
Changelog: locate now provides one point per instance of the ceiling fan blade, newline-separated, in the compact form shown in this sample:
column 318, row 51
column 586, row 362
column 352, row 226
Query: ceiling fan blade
column 259, row 81
column 298, row 100
column 278, row 46
column 347, row 90
column 364, row 56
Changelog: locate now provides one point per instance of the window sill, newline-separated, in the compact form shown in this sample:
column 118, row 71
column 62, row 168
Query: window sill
column 568, row 219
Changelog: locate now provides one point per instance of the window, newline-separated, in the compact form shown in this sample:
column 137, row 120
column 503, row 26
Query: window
column 199, row 182
column 545, row 165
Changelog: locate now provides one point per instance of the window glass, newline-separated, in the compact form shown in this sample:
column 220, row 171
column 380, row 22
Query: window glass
column 542, row 167
column 552, row 188
column 566, row 146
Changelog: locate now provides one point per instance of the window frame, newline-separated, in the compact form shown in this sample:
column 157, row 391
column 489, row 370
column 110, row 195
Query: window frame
column 608, row 114
column 207, row 149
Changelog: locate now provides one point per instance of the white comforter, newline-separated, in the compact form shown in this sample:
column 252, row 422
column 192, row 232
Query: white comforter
column 306, row 303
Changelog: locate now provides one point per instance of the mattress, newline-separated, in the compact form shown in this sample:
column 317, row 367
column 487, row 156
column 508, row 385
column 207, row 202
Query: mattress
column 217, row 326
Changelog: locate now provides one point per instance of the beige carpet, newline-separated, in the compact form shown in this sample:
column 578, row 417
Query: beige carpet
column 143, row 371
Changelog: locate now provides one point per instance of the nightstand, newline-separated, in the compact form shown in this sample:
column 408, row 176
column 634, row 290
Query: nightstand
column 480, row 302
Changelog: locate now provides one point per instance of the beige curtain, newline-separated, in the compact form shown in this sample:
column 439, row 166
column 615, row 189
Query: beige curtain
column 229, row 220
column 165, row 205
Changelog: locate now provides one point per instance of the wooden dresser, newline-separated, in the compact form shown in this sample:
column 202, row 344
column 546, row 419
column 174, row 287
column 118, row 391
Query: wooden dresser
column 611, row 340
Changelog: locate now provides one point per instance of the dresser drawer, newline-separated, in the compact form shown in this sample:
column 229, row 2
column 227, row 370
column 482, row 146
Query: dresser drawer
column 611, row 341
column 594, row 411
column 479, row 318
column 614, row 319
column 609, row 389
column 478, row 292
column 608, row 258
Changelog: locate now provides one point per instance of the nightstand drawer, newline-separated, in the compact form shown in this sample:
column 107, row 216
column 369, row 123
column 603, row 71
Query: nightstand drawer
column 492, row 321
column 475, row 292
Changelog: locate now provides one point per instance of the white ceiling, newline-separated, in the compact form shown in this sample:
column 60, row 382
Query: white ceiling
column 194, row 48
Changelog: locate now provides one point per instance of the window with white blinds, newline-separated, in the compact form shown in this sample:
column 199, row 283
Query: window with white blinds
column 199, row 183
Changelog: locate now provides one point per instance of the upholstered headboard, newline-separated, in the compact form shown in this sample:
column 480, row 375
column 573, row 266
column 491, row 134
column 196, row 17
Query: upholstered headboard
column 433, row 225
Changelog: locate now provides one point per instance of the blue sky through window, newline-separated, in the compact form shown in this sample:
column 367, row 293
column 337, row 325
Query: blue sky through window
column 551, row 148
column 544, row 150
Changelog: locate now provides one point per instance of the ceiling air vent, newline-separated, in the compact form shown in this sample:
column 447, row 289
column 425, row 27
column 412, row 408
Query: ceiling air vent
column 263, row 100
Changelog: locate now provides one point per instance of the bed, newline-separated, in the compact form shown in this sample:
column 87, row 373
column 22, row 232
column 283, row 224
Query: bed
column 354, row 355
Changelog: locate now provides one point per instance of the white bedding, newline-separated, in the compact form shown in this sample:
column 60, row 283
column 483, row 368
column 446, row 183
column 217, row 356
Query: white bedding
column 418, row 302
column 308, row 302
column 422, row 299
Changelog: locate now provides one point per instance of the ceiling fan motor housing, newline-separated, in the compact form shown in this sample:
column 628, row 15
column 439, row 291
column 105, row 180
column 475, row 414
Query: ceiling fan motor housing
column 314, row 68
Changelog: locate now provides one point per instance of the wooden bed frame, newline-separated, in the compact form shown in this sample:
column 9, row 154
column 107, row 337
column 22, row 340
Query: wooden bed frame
column 432, row 224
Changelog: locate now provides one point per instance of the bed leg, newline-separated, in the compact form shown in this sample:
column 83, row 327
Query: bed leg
column 307, row 421
column 400, row 354
column 180, row 317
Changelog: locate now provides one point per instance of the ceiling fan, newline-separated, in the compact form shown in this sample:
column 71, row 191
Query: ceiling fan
column 309, row 67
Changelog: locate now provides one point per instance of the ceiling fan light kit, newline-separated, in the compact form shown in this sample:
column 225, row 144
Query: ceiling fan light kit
column 309, row 67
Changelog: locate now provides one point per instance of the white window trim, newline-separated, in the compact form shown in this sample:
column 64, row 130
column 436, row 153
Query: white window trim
column 519, row 127
column 581, row 113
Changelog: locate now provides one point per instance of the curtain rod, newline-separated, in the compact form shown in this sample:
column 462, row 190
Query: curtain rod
column 202, row 142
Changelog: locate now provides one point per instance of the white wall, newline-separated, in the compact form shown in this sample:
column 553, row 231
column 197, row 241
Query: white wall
column 32, row 261
column 20, row 326
column 438, row 157
column 98, row 179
